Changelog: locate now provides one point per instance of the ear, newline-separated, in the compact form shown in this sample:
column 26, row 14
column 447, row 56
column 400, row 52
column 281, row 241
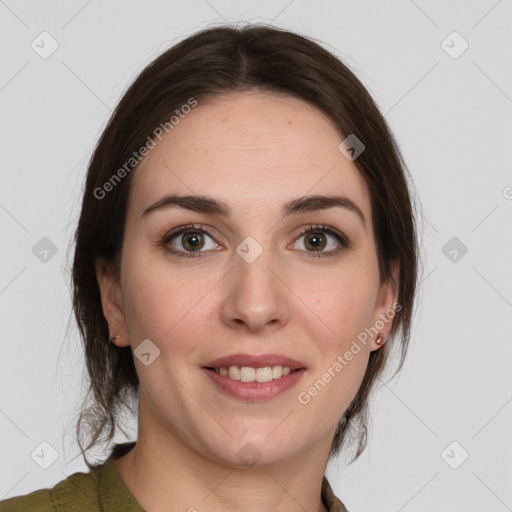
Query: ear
column 386, row 305
column 112, row 303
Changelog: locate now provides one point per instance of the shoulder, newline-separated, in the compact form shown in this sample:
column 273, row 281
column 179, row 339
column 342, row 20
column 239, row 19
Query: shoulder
column 79, row 492
column 40, row 501
column 331, row 501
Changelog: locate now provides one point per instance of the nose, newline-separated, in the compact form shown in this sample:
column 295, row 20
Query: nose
column 256, row 296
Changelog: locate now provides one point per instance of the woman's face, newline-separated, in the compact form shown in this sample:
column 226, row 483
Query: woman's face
column 254, row 284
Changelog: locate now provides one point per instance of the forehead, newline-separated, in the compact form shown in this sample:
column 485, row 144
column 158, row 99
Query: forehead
column 248, row 149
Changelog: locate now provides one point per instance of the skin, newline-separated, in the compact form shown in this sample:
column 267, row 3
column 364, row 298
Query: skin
column 254, row 151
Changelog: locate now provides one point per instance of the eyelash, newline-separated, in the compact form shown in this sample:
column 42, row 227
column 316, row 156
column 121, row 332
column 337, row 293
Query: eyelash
column 340, row 237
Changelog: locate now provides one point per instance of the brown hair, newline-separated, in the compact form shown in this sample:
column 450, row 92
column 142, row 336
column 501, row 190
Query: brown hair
column 217, row 61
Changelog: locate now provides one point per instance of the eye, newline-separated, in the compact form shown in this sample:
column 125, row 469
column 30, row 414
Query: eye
column 320, row 240
column 189, row 239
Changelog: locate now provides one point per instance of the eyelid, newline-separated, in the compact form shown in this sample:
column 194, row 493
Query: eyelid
column 344, row 241
column 187, row 227
column 342, row 238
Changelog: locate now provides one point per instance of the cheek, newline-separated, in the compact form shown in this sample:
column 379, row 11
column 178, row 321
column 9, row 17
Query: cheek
column 160, row 303
column 343, row 311
column 341, row 305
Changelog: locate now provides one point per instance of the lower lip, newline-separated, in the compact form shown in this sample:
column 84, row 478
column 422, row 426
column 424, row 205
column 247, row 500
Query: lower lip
column 255, row 391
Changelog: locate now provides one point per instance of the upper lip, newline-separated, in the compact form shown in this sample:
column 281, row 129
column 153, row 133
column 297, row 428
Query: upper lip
column 255, row 361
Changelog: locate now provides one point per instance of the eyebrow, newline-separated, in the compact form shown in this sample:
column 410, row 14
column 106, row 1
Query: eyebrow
column 209, row 205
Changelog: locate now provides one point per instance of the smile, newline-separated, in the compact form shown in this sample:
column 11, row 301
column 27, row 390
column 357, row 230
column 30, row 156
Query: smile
column 252, row 390
column 249, row 374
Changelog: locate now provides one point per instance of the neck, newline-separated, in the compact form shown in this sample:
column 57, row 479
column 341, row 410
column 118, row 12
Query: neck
column 163, row 469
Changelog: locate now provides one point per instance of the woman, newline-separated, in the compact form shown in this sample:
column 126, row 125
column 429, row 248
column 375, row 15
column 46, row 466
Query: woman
column 245, row 258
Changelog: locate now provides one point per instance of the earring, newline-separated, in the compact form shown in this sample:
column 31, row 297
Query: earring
column 112, row 338
column 380, row 339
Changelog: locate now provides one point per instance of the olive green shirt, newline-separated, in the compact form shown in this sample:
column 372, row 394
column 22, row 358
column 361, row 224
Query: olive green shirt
column 103, row 490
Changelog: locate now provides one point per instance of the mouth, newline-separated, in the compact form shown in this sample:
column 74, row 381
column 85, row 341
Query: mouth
column 253, row 384
column 249, row 374
column 252, row 368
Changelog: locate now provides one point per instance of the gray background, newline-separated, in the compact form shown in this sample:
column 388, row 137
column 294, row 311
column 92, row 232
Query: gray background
column 451, row 117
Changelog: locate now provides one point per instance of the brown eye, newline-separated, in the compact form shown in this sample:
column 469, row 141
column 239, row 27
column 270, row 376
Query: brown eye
column 315, row 241
column 323, row 240
column 192, row 240
column 187, row 240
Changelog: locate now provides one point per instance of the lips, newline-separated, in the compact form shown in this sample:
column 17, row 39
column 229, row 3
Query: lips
column 255, row 361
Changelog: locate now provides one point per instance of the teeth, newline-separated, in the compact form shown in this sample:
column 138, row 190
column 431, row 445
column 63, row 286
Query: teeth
column 248, row 374
column 234, row 373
